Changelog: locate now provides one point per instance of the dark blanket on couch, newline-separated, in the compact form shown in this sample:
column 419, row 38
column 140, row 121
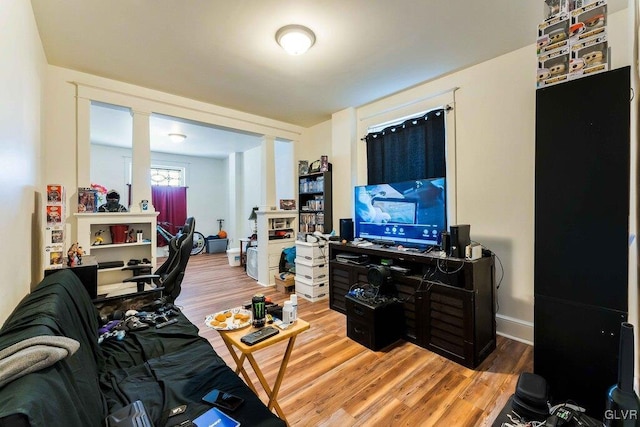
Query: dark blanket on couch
column 164, row 368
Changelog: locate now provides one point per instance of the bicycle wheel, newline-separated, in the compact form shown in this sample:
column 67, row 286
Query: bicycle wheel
column 198, row 243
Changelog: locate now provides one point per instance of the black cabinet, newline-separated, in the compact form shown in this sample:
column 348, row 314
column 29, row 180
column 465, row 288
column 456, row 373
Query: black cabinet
column 447, row 304
column 374, row 325
column 315, row 203
column 581, row 202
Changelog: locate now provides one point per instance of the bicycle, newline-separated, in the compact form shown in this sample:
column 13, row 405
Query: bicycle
column 198, row 238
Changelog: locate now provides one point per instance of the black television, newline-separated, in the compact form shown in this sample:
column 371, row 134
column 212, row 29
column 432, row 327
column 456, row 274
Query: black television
column 409, row 213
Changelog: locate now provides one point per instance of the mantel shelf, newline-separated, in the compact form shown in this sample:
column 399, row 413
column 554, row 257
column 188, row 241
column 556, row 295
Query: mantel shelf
column 119, row 245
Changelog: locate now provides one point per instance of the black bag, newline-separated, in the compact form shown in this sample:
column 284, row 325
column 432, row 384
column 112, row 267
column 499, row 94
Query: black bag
column 132, row 415
column 531, row 398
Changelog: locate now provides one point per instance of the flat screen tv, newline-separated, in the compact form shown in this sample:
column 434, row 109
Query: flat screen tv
column 410, row 213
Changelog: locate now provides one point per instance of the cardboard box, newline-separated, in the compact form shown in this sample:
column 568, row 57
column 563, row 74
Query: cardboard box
column 553, row 8
column 55, row 194
column 54, row 235
column 55, row 214
column 86, row 200
column 553, row 67
column 286, row 285
column 54, row 256
column 589, row 57
column 588, row 21
column 553, row 34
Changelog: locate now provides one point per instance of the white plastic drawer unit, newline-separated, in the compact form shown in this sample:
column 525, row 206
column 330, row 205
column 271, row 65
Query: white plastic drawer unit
column 312, row 253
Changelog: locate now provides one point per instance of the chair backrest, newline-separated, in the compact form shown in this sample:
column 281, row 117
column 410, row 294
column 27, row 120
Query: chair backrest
column 173, row 273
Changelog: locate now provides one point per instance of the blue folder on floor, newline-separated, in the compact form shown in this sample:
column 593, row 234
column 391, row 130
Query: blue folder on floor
column 215, row 417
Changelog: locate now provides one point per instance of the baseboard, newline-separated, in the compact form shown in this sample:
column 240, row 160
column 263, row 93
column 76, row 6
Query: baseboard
column 266, row 285
column 515, row 329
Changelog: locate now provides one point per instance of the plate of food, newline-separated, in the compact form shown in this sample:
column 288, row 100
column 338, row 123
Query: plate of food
column 227, row 320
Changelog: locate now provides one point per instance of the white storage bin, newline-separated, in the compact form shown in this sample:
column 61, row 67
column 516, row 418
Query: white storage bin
column 312, row 291
column 312, row 253
column 316, row 273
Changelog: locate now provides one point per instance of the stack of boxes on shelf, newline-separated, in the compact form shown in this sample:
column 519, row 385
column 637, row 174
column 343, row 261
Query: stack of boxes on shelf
column 55, row 228
column 572, row 41
column 312, row 270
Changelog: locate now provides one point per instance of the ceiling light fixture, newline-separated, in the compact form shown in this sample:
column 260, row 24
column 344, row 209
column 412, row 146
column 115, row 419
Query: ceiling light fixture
column 295, row 39
column 177, row 137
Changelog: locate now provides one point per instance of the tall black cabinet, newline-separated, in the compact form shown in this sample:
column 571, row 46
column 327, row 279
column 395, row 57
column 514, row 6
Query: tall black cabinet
column 581, row 234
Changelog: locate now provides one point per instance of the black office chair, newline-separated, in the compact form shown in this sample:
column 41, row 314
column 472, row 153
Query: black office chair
column 168, row 277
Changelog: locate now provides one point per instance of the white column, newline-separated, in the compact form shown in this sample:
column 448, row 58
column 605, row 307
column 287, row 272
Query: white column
column 268, row 182
column 141, row 161
column 344, row 162
column 237, row 217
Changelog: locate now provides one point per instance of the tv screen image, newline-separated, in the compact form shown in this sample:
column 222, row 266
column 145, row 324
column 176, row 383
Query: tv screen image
column 411, row 213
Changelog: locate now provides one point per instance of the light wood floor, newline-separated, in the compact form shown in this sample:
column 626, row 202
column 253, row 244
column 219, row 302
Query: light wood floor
column 333, row 381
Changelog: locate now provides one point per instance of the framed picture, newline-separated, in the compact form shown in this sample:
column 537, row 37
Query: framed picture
column 303, row 167
column 287, row 204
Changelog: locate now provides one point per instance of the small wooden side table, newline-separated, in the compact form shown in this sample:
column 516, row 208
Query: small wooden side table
column 232, row 339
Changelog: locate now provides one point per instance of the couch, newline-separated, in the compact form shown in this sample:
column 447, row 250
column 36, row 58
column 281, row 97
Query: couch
column 164, row 368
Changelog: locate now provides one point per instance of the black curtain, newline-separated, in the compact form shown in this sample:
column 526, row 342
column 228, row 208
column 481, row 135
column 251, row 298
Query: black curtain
column 414, row 149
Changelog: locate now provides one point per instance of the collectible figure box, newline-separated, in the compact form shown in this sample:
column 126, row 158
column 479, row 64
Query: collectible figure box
column 554, row 8
column 86, row 200
column 577, row 4
column 54, row 256
column 55, row 214
column 55, row 194
column 553, row 67
column 589, row 57
column 588, row 21
column 553, row 34
column 54, row 235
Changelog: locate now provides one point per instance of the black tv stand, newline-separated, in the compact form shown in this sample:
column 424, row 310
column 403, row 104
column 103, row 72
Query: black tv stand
column 448, row 304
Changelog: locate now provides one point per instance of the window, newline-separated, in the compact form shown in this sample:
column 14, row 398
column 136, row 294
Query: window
column 411, row 150
column 169, row 177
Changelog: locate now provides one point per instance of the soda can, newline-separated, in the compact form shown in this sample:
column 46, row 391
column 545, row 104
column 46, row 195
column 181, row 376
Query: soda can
column 259, row 310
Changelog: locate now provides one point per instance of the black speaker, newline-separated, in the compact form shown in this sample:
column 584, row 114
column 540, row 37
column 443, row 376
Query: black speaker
column 346, row 229
column 445, row 242
column 460, row 239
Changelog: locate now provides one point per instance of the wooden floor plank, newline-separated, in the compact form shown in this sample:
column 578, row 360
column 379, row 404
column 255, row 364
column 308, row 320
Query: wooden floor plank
column 334, row 381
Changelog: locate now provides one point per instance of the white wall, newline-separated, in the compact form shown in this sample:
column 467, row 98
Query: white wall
column 207, row 196
column 285, row 170
column 21, row 188
column 495, row 142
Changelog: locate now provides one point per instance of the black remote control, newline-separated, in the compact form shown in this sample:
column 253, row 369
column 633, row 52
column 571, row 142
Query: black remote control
column 259, row 335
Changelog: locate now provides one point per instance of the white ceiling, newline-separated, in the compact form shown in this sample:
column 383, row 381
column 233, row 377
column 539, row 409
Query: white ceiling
column 224, row 51
column 113, row 126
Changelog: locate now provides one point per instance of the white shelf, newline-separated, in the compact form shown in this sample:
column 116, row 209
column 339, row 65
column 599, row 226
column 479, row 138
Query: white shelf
column 269, row 250
column 119, row 245
column 88, row 224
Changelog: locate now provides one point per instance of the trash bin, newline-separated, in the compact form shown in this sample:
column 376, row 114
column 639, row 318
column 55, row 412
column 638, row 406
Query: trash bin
column 119, row 233
column 234, row 257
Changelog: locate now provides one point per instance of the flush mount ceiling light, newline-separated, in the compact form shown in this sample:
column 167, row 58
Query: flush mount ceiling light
column 295, row 39
column 177, row 137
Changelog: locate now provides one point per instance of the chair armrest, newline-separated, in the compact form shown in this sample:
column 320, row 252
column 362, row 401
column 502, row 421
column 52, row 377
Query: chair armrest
column 143, row 278
column 137, row 267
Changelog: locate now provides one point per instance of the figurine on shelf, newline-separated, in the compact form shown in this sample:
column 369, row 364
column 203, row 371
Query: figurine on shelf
column 79, row 254
column 113, row 203
column 99, row 239
column 130, row 238
column 72, row 255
